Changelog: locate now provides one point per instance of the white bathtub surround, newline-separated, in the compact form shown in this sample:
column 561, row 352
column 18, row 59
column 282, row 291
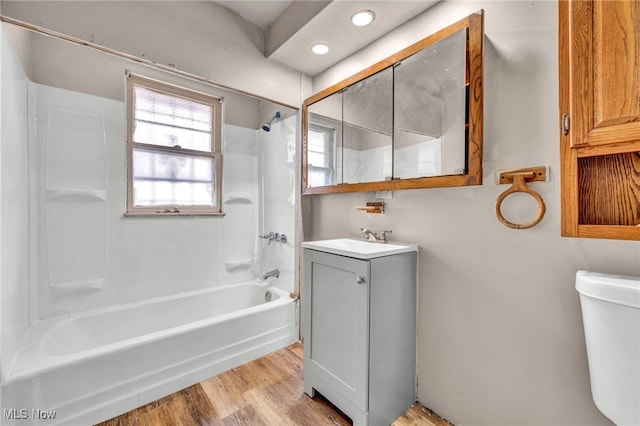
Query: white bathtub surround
column 102, row 313
column 93, row 366
column 241, row 183
column 105, row 259
column 14, row 204
column 279, row 160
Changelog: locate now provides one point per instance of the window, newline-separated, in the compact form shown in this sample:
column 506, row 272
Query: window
column 173, row 150
column 320, row 155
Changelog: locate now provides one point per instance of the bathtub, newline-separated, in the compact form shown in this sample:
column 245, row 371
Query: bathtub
column 86, row 368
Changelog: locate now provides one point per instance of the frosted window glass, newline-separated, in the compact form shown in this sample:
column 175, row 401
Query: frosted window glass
column 174, row 137
column 166, row 120
column 319, row 156
column 172, row 179
column 317, row 149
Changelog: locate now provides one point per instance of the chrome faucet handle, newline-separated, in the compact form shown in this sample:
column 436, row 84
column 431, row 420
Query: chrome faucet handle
column 269, row 237
column 274, row 236
column 383, row 235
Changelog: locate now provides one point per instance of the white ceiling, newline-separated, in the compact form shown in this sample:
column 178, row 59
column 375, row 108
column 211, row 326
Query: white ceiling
column 293, row 26
column 261, row 12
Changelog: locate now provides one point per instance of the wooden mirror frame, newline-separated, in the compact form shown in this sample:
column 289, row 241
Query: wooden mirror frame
column 474, row 24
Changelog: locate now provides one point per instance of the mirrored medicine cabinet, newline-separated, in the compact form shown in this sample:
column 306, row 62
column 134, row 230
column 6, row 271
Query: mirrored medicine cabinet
column 412, row 120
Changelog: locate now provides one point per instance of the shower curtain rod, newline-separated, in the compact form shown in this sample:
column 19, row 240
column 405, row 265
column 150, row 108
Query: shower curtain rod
column 132, row 58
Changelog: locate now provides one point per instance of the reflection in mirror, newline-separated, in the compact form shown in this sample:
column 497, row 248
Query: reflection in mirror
column 412, row 120
column 324, row 142
column 429, row 109
column 367, row 142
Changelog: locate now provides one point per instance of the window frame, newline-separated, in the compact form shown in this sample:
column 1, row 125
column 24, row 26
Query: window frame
column 215, row 154
column 329, row 140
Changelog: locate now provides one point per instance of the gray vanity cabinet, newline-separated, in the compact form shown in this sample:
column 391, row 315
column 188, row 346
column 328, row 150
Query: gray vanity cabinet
column 360, row 333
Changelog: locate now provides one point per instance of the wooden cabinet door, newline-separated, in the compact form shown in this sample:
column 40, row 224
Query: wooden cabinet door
column 604, row 61
column 599, row 58
column 337, row 323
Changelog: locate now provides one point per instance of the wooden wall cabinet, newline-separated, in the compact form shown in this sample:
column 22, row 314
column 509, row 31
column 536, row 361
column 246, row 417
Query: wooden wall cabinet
column 600, row 118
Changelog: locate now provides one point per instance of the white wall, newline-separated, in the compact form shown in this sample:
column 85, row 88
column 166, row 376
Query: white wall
column 58, row 63
column 198, row 37
column 500, row 337
column 14, row 213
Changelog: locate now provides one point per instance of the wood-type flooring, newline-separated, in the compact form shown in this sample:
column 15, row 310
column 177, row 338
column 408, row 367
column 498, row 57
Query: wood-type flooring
column 267, row 391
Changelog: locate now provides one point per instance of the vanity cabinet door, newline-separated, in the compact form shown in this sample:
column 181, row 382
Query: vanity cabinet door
column 336, row 324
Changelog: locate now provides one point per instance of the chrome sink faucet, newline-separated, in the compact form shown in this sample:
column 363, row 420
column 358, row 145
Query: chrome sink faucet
column 373, row 237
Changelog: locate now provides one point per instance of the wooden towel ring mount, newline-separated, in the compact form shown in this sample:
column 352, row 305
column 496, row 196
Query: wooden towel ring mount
column 519, row 179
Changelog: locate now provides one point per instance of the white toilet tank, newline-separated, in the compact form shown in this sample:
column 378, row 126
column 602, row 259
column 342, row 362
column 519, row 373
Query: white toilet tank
column 611, row 317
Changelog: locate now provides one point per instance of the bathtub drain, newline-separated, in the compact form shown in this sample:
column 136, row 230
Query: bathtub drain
column 267, row 296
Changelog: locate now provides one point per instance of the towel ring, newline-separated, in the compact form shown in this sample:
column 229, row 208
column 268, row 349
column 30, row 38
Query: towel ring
column 519, row 185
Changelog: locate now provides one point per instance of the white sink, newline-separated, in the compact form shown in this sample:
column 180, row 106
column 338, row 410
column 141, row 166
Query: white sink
column 358, row 248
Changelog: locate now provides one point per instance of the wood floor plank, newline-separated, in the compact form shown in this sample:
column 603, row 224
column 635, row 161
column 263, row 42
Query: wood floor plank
column 243, row 417
column 224, row 396
column 297, row 350
column 420, row 416
column 268, row 408
column 161, row 415
column 268, row 391
column 317, row 411
column 197, row 407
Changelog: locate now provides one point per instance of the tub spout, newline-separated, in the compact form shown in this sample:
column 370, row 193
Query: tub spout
column 272, row 273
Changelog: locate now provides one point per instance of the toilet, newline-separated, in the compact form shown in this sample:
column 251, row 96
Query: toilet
column 611, row 317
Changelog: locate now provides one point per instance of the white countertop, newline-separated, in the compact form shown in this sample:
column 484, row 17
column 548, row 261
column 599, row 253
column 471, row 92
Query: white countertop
column 359, row 248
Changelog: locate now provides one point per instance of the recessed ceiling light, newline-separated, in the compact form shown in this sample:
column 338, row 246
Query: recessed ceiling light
column 363, row 18
column 319, row 48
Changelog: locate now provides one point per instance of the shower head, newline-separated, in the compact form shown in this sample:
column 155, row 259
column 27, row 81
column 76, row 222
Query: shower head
column 267, row 124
